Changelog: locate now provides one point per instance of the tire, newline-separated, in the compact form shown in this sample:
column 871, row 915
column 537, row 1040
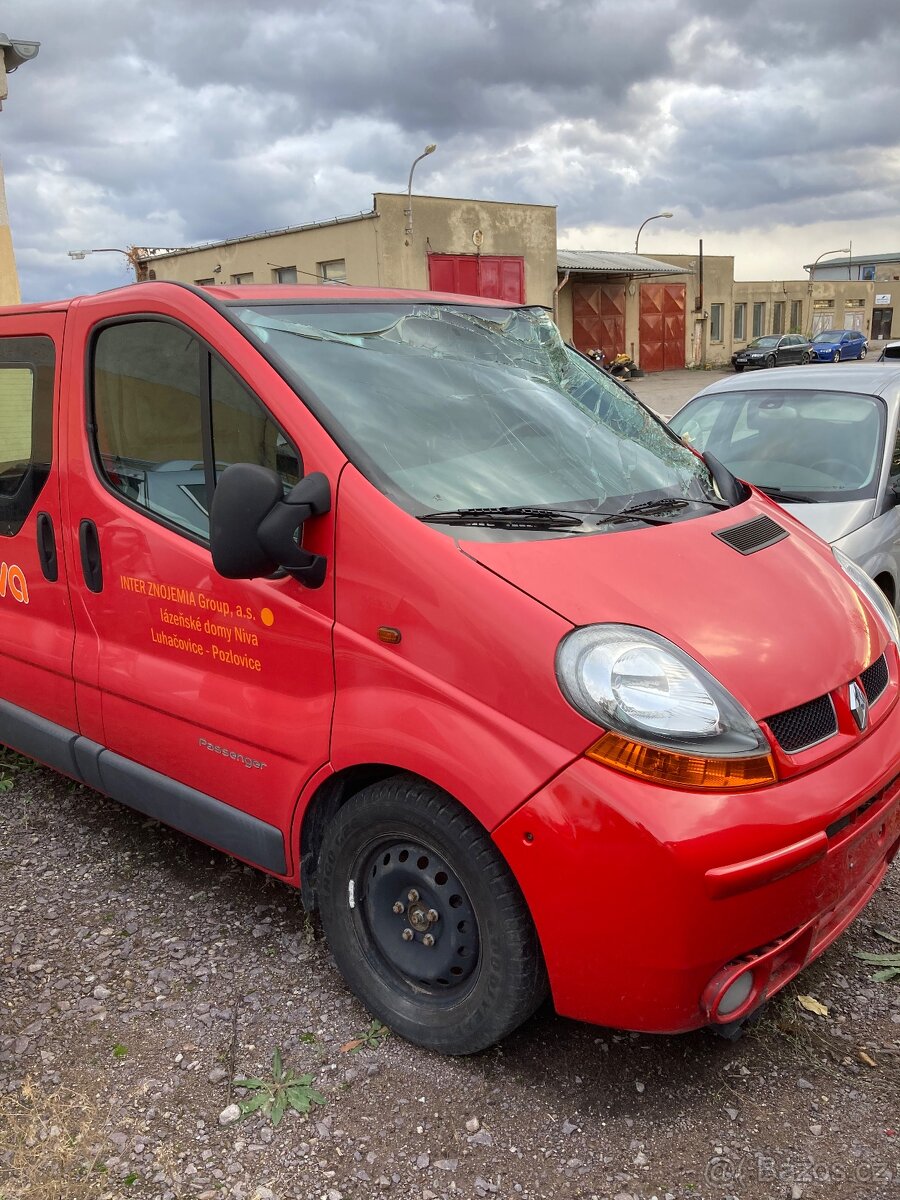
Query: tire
column 395, row 854
column 770, row 361
column 804, row 358
column 863, row 351
column 837, row 356
column 738, row 369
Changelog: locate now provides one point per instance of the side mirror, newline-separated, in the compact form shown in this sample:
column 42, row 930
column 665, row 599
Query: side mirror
column 254, row 529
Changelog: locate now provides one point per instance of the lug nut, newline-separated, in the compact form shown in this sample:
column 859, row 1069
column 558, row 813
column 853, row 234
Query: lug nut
column 407, row 935
column 412, row 895
column 433, row 915
column 398, row 908
column 427, row 940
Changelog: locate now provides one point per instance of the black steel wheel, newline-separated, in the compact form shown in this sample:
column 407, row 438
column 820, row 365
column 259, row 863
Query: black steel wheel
column 425, row 920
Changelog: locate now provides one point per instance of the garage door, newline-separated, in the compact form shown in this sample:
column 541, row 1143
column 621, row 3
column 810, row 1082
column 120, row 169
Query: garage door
column 662, row 326
column 598, row 317
column 499, row 277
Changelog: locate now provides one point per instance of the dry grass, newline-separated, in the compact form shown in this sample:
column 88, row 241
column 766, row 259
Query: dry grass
column 52, row 1145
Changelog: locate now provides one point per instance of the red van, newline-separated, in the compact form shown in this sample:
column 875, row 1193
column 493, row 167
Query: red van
column 397, row 598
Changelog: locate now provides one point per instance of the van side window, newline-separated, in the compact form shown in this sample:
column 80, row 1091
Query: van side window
column 243, row 431
column 169, row 417
column 27, row 366
column 147, row 413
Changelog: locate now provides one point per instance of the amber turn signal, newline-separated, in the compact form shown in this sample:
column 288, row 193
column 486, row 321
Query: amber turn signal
column 682, row 770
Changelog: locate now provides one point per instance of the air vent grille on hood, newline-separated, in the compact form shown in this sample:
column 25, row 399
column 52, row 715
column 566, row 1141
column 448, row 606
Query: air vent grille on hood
column 752, row 535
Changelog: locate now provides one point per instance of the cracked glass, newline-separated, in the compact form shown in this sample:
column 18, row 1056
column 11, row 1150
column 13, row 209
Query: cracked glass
column 447, row 407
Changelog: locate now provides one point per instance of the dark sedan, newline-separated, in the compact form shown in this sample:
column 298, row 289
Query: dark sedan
column 775, row 350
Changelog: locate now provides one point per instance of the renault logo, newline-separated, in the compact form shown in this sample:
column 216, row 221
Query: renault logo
column 859, row 706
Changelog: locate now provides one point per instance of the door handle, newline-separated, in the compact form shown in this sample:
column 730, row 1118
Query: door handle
column 91, row 565
column 46, row 543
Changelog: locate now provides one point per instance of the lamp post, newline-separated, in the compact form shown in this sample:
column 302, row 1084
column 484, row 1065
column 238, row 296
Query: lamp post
column 429, row 149
column 132, row 255
column 824, row 254
column 81, row 254
column 655, row 217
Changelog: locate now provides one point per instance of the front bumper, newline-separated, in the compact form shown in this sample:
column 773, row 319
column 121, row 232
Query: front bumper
column 645, row 898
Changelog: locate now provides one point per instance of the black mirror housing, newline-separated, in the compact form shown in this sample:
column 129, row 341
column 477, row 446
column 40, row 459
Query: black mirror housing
column 253, row 526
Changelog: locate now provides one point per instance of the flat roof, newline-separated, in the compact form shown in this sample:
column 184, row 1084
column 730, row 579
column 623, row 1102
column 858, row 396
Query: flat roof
column 155, row 256
column 614, row 262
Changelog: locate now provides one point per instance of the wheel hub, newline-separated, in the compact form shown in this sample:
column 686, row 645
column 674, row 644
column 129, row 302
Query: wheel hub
column 420, row 919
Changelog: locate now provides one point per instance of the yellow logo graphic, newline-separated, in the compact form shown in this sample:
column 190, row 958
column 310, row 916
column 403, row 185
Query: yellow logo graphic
column 12, row 580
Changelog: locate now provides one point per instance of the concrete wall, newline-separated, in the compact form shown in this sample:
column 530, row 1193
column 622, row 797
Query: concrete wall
column 9, row 279
column 351, row 239
column 442, row 225
column 376, row 249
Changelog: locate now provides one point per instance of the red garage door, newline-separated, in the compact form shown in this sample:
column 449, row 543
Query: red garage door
column 598, row 317
column 662, row 326
column 495, row 276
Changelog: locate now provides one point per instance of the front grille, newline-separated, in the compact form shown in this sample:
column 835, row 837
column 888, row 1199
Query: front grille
column 804, row 726
column 752, row 535
column 875, row 679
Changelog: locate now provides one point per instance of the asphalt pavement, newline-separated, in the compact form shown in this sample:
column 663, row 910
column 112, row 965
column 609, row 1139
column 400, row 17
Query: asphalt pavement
column 668, row 391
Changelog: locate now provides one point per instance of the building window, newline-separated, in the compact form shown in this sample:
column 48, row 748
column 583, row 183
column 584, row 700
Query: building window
column 740, row 322
column 246, row 277
column 284, row 275
column 821, row 305
column 796, row 316
column 778, row 316
column 716, row 318
column 867, row 273
column 205, row 282
column 334, row 271
column 759, row 318
column 854, row 304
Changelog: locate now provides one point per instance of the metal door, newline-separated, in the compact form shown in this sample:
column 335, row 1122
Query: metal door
column 662, row 326
column 598, row 317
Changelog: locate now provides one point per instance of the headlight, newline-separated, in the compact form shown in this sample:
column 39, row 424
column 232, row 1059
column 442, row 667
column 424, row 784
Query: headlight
column 669, row 720
column 871, row 591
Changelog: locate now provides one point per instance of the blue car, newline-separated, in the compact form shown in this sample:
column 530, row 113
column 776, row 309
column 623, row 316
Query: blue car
column 837, row 345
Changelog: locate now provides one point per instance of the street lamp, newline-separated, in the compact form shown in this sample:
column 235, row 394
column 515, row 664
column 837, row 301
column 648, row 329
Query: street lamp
column 429, row 149
column 79, row 255
column 812, row 269
column 656, row 217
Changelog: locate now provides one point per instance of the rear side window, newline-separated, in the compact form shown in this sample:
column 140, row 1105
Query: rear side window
column 26, row 426
column 169, row 417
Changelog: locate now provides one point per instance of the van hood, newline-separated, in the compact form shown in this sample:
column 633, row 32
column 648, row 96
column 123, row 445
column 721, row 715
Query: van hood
column 777, row 627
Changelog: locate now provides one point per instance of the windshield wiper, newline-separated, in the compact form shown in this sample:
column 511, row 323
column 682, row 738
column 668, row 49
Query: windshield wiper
column 516, row 516
column 780, row 494
column 649, row 511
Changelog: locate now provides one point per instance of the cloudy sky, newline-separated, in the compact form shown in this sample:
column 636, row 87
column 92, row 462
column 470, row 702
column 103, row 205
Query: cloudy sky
column 768, row 127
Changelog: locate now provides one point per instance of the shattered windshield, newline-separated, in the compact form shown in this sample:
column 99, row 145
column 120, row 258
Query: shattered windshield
column 448, row 407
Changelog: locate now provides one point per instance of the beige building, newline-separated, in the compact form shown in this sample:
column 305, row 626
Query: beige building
column 12, row 55
column 478, row 247
column 666, row 312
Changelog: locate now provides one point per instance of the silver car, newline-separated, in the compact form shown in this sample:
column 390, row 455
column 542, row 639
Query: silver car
column 825, row 445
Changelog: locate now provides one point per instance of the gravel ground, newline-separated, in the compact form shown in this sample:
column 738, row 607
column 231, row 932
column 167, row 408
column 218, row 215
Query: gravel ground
column 140, row 973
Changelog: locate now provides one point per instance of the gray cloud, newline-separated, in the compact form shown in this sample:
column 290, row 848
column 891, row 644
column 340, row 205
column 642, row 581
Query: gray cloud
column 166, row 124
